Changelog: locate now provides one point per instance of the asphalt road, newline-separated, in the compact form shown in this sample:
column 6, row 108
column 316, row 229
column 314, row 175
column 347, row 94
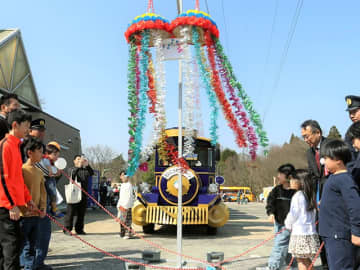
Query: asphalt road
column 247, row 228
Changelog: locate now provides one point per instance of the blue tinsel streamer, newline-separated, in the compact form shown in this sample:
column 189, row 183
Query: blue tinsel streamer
column 134, row 162
column 205, row 77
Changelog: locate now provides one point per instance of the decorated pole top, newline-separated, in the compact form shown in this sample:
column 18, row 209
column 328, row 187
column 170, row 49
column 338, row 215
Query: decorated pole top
column 150, row 21
column 195, row 18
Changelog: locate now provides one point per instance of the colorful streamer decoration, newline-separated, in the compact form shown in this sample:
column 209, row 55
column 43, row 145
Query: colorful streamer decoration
column 151, row 93
column 134, row 162
column 143, row 32
column 132, row 97
column 254, row 116
column 156, row 95
column 239, row 112
column 206, row 79
column 204, row 60
column 228, row 113
column 189, row 94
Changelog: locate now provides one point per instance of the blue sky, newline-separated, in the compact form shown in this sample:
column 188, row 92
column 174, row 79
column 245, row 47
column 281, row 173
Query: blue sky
column 78, row 56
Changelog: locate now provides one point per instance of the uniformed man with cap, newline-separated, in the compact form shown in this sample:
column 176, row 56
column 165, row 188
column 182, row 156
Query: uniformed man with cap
column 37, row 130
column 353, row 107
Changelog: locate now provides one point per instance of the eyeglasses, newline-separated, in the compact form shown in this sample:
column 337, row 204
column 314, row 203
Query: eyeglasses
column 307, row 136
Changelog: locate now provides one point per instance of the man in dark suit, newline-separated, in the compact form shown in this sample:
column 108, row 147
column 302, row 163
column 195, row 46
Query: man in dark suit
column 8, row 103
column 312, row 135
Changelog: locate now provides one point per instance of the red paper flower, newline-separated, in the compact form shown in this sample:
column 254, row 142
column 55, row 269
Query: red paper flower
column 144, row 167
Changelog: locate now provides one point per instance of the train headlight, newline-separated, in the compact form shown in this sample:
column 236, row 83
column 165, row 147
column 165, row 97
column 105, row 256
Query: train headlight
column 213, row 188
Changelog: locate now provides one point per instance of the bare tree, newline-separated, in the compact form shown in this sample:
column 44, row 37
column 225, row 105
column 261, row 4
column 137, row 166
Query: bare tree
column 240, row 170
column 100, row 157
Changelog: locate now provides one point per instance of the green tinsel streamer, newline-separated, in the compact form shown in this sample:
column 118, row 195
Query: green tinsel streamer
column 132, row 100
column 248, row 105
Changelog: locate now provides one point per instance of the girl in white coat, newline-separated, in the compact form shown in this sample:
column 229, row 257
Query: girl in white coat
column 304, row 240
column 124, row 205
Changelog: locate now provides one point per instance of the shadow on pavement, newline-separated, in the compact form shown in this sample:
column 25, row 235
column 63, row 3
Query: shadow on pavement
column 239, row 224
column 92, row 260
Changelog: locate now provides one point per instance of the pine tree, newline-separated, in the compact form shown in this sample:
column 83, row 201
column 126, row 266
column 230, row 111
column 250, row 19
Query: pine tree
column 334, row 133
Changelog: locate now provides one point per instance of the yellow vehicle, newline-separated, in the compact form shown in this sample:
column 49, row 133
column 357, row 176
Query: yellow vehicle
column 266, row 192
column 230, row 193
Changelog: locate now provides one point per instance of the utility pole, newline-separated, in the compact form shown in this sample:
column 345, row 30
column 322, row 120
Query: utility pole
column 179, row 181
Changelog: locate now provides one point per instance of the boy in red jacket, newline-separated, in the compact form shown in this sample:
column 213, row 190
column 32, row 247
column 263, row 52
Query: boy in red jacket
column 13, row 192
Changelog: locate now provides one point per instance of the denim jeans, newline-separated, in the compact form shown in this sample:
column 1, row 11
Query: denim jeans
column 43, row 239
column 279, row 252
column 29, row 227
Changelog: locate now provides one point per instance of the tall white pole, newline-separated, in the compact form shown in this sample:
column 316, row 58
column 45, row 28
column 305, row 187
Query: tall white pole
column 179, row 217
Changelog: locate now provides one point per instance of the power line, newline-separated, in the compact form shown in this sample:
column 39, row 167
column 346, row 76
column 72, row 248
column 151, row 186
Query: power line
column 269, row 48
column 225, row 26
column 285, row 53
column 207, row 7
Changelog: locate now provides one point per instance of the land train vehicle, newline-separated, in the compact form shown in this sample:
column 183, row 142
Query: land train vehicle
column 202, row 204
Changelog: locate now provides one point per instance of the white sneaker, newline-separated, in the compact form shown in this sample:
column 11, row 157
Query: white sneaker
column 126, row 237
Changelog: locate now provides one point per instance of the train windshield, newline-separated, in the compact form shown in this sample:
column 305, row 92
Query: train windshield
column 203, row 155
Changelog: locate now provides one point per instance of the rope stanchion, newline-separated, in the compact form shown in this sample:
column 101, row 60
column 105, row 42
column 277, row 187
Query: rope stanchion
column 291, row 262
column 133, row 231
column 108, row 253
column 250, row 249
column 316, row 256
column 255, row 247
column 218, row 264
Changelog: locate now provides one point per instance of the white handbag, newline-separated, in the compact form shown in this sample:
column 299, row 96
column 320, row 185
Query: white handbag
column 59, row 198
column 73, row 192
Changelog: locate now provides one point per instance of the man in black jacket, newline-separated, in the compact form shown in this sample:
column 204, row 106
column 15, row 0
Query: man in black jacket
column 82, row 171
column 312, row 135
column 8, row 103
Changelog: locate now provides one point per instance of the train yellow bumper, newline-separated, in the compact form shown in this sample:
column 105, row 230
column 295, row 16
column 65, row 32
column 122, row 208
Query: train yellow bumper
column 139, row 214
column 218, row 215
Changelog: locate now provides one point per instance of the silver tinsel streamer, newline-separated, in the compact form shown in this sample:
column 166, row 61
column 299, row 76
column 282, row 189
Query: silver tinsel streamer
column 159, row 123
column 198, row 115
column 189, row 93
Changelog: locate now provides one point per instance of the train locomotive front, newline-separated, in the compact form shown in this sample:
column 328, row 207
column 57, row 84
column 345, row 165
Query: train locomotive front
column 202, row 204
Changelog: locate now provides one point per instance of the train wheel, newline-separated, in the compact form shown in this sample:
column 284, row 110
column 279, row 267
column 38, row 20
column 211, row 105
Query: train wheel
column 149, row 228
column 211, row 230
